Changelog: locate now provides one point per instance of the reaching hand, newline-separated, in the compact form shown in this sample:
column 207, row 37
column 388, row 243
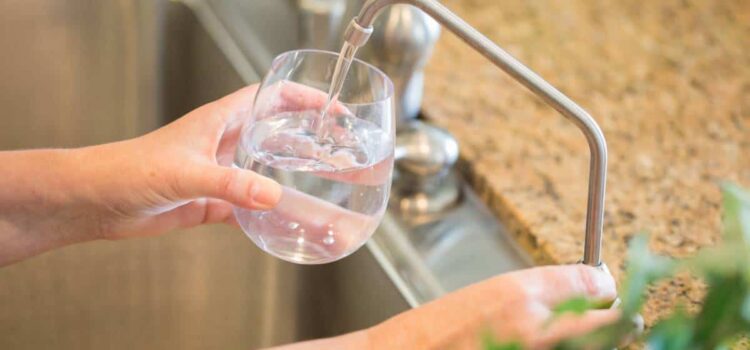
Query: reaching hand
column 513, row 307
column 516, row 306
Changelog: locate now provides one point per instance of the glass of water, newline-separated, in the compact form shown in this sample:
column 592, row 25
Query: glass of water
column 335, row 168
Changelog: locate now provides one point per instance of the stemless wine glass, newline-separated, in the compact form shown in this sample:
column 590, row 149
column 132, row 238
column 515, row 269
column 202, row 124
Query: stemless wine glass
column 335, row 169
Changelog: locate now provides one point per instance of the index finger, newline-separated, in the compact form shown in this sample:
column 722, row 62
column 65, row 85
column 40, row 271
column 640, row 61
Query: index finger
column 240, row 100
column 288, row 96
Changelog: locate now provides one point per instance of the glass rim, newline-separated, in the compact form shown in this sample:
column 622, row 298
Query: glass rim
column 390, row 90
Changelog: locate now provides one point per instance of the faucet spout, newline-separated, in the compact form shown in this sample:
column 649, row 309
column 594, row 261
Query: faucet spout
column 361, row 26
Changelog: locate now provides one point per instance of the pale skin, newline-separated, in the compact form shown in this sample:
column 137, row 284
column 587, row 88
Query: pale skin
column 177, row 177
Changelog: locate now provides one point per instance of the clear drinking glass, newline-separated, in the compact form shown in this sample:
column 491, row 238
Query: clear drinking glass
column 335, row 170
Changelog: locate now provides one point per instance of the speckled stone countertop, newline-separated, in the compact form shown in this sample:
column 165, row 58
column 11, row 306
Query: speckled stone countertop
column 669, row 83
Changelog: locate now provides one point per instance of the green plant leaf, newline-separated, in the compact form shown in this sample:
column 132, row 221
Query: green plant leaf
column 725, row 260
column 673, row 333
column 607, row 337
column 643, row 269
column 721, row 316
column 736, row 214
column 576, row 305
column 746, row 309
column 489, row 343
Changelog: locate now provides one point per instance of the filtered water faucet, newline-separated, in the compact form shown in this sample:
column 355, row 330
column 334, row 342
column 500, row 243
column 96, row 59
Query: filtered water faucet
column 360, row 28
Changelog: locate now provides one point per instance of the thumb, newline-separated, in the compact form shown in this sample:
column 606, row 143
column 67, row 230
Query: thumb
column 240, row 187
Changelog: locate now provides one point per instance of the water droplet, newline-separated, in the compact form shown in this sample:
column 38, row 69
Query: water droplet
column 329, row 240
column 301, row 231
column 301, row 240
column 330, row 232
column 293, row 225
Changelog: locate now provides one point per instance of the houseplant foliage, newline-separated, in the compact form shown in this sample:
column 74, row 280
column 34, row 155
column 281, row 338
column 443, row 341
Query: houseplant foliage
column 725, row 313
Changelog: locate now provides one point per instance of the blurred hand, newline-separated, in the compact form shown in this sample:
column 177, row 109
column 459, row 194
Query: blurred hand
column 516, row 306
column 512, row 307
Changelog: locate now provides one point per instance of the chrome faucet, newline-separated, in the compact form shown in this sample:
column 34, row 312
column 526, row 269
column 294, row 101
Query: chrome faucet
column 400, row 46
column 360, row 28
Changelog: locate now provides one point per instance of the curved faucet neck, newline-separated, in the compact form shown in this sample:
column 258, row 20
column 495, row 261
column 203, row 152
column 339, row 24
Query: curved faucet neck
column 361, row 26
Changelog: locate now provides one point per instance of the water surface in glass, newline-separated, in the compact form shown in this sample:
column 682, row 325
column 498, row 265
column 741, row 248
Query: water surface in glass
column 335, row 167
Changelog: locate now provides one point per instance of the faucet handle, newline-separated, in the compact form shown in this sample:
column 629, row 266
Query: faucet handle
column 425, row 150
column 424, row 183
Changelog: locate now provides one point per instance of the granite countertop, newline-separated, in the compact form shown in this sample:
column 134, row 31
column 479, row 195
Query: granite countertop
column 669, row 83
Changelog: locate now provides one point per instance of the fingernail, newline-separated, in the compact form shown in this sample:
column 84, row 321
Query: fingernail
column 265, row 193
column 605, row 283
column 598, row 282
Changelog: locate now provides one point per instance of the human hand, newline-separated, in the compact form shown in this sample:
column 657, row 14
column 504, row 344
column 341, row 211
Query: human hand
column 175, row 177
column 184, row 178
column 516, row 306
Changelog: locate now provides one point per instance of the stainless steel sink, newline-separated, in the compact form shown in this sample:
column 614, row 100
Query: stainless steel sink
column 80, row 74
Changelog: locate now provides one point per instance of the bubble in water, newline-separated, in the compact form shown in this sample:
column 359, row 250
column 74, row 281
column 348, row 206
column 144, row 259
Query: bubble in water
column 286, row 144
column 361, row 157
column 329, row 140
column 289, row 149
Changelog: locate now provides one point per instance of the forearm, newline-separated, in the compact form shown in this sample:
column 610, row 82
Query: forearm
column 39, row 210
column 354, row 340
column 445, row 324
column 451, row 322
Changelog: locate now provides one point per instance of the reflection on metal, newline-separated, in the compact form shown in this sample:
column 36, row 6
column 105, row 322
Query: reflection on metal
column 503, row 60
column 229, row 48
column 429, row 255
column 401, row 44
column 424, row 184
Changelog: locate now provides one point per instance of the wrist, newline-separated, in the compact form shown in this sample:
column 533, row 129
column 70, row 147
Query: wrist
column 105, row 180
column 38, row 209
